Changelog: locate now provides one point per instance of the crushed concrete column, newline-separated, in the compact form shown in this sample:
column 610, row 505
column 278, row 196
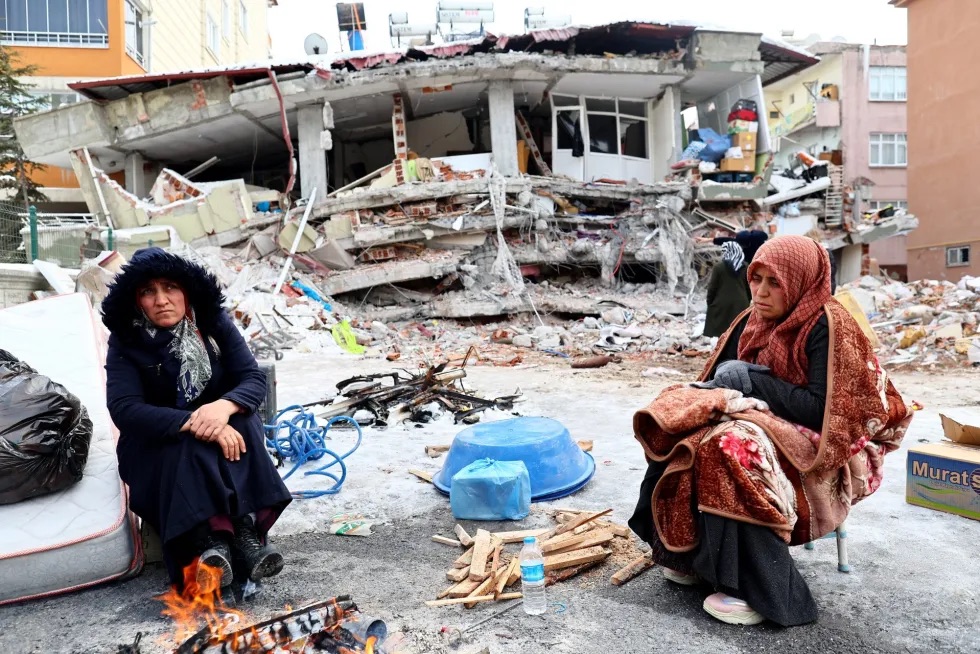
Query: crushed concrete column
column 312, row 158
column 135, row 176
column 503, row 133
column 399, row 133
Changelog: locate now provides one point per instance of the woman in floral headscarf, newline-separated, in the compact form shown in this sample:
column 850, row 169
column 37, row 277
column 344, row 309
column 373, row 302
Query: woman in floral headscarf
column 785, row 431
column 183, row 389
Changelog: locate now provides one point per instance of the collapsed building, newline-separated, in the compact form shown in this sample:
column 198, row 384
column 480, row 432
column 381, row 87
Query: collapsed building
column 438, row 179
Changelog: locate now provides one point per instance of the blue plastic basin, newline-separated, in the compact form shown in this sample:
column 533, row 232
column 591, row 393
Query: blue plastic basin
column 555, row 463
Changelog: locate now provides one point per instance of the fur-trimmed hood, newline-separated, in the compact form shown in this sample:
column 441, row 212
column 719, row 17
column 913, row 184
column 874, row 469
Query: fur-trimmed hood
column 119, row 308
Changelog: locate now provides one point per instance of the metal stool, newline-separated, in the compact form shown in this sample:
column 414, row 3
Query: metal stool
column 841, row 535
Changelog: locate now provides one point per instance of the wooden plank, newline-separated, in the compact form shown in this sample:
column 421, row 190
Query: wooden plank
column 518, row 536
column 514, row 574
column 495, row 557
column 445, row 592
column 481, row 552
column 580, row 521
column 464, row 588
column 633, row 569
column 422, row 474
column 464, row 560
column 591, row 539
column 482, row 589
column 458, row 574
column 566, row 515
column 574, row 558
column 463, row 537
column 556, row 576
column 474, row 600
column 503, row 580
column 571, row 540
column 446, row 541
column 435, row 451
column 585, row 445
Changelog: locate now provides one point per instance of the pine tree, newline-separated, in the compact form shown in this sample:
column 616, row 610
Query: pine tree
column 16, row 100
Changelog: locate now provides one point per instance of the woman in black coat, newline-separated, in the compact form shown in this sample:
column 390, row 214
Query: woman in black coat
column 728, row 290
column 183, row 388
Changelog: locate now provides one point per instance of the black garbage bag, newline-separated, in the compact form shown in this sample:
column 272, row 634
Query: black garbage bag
column 45, row 433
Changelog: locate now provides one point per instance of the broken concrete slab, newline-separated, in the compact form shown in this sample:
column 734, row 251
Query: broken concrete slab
column 392, row 272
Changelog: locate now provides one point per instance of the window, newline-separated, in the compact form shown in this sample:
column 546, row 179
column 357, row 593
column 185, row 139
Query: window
column 134, row 32
column 888, row 84
column 889, row 150
column 958, row 255
column 55, row 99
column 875, row 205
column 617, row 127
column 225, row 20
column 243, row 18
column 214, row 37
column 68, row 23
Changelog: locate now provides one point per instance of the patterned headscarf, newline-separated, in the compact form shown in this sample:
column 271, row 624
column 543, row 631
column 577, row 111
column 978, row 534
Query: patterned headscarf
column 802, row 269
column 733, row 255
column 187, row 347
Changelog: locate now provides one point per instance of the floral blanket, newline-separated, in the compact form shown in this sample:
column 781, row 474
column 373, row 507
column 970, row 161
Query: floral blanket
column 730, row 456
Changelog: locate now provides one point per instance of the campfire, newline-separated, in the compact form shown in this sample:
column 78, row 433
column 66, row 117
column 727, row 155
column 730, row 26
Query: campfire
column 334, row 625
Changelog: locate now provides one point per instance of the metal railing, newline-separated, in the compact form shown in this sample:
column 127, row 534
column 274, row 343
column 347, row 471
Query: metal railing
column 66, row 239
column 62, row 39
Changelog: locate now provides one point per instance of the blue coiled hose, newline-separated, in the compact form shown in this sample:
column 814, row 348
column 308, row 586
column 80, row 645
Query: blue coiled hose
column 300, row 439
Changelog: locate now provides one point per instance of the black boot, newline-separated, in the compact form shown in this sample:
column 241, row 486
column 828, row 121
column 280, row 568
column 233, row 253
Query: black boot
column 260, row 560
column 216, row 553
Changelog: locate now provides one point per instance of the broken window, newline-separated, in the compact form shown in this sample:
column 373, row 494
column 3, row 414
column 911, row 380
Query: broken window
column 66, row 23
column 569, row 131
column 958, row 255
column 888, row 84
column 603, row 134
column 889, row 150
column 617, row 127
column 633, row 137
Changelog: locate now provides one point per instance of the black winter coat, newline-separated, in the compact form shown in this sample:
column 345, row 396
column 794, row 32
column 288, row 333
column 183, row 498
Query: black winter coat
column 728, row 296
column 177, row 482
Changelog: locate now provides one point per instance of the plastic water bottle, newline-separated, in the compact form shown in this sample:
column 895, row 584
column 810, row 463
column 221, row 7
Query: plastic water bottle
column 532, row 577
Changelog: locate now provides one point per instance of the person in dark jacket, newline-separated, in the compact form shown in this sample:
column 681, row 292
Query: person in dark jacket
column 750, row 240
column 728, row 290
column 183, row 389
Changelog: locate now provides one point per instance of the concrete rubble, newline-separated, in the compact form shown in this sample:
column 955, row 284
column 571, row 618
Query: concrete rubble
column 923, row 324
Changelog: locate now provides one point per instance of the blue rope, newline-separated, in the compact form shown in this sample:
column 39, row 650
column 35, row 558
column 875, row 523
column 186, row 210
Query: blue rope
column 304, row 440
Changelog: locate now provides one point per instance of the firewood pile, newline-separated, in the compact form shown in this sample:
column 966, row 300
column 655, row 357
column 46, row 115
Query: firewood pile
column 485, row 572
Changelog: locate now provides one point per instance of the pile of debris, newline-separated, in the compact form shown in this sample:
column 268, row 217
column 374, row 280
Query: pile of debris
column 925, row 323
column 579, row 542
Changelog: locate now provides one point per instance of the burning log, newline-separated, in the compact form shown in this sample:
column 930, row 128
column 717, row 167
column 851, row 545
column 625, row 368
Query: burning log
column 321, row 623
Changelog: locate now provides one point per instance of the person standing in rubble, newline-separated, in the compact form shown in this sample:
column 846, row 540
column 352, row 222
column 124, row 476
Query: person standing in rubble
column 728, row 290
column 183, row 389
column 784, row 432
column 750, row 241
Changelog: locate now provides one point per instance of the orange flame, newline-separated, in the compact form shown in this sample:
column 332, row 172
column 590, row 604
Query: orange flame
column 369, row 645
column 199, row 601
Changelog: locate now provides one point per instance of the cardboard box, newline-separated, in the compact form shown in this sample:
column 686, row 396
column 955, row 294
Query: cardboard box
column 738, row 126
column 744, row 140
column 745, row 165
column 956, row 428
column 945, row 477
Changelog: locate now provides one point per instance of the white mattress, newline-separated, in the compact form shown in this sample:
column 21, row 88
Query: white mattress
column 83, row 535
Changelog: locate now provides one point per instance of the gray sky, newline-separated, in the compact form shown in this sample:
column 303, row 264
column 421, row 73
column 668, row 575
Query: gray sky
column 861, row 21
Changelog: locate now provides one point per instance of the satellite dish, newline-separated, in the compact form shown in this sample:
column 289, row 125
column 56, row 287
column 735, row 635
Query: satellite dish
column 314, row 44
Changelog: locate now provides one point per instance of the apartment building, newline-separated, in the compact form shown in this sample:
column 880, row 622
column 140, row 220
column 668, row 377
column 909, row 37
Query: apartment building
column 944, row 99
column 854, row 103
column 72, row 40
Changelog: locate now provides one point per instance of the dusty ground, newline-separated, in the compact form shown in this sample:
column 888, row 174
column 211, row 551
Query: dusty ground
column 911, row 588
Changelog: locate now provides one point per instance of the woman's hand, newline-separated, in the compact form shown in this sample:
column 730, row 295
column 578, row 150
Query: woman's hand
column 208, row 420
column 231, row 442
